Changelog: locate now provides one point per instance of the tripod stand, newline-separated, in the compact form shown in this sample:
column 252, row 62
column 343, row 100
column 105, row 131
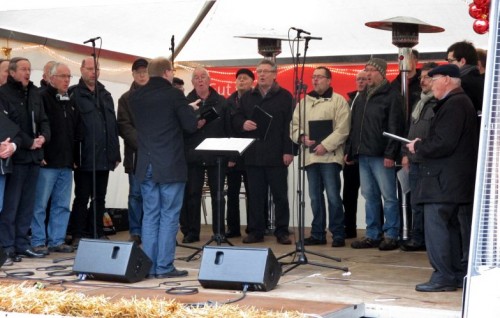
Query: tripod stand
column 299, row 254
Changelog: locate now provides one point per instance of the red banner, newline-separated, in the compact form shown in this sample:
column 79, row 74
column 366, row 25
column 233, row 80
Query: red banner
column 343, row 77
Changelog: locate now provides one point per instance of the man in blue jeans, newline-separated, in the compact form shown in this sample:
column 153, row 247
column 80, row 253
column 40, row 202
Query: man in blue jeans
column 126, row 130
column 56, row 178
column 161, row 114
column 376, row 110
column 324, row 156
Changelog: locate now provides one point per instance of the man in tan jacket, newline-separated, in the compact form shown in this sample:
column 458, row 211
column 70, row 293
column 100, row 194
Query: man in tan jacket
column 322, row 122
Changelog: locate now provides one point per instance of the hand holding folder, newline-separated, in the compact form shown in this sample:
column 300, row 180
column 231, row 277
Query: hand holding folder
column 263, row 120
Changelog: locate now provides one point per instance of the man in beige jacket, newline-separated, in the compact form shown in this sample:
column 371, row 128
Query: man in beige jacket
column 321, row 122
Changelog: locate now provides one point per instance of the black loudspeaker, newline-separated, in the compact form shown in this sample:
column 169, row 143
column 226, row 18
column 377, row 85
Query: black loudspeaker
column 234, row 267
column 111, row 261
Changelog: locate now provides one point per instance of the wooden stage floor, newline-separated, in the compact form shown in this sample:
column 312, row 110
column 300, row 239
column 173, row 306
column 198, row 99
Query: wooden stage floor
column 378, row 284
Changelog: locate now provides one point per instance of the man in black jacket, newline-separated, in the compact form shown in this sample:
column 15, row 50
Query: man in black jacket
column 376, row 110
column 267, row 159
column 197, row 163
column 56, row 176
column 99, row 152
column 161, row 114
column 447, row 176
column 126, row 128
column 25, row 109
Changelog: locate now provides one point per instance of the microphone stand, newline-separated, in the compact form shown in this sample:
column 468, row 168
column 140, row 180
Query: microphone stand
column 300, row 89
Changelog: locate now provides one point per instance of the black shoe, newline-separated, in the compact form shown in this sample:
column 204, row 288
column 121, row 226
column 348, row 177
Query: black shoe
column 283, row 239
column 365, row 243
column 388, row 244
column 412, row 246
column 314, row 241
column 62, row 248
column 435, row 287
column 172, row 274
column 230, row 234
column 349, row 234
column 190, row 239
column 14, row 257
column 30, row 254
column 252, row 238
column 42, row 249
column 338, row 243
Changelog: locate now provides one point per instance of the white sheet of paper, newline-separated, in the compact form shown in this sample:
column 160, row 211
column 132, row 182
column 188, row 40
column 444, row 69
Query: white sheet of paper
column 225, row 144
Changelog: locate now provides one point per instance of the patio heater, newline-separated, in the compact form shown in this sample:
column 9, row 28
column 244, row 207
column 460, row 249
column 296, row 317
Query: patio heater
column 405, row 32
column 269, row 46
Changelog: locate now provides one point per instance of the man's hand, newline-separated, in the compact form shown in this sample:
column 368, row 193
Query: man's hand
column 287, row 159
column 194, row 104
column 6, row 149
column 320, row 150
column 405, row 162
column 411, row 145
column 201, row 123
column 306, row 141
column 347, row 162
column 231, row 164
column 249, row 125
column 389, row 163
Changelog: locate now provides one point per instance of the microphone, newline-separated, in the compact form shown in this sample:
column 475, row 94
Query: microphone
column 313, row 38
column 92, row 40
column 300, row 30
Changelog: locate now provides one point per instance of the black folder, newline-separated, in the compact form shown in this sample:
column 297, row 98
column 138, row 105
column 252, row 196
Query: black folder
column 319, row 130
column 263, row 120
column 209, row 114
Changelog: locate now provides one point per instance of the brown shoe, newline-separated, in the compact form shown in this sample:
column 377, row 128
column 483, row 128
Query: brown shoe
column 62, row 248
column 42, row 249
column 252, row 238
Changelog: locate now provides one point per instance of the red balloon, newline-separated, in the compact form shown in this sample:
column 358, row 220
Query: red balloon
column 482, row 3
column 481, row 26
column 475, row 11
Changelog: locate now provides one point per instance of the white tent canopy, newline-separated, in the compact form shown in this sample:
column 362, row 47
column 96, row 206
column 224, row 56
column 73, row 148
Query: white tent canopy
column 144, row 28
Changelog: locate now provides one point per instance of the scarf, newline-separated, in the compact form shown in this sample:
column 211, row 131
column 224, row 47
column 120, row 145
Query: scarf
column 424, row 98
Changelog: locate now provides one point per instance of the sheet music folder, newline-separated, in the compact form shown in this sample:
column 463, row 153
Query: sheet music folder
column 209, row 114
column 225, row 146
column 263, row 120
column 319, row 130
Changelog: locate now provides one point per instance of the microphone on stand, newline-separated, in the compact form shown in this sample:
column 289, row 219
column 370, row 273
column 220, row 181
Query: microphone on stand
column 313, row 38
column 300, row 30
column 92, row 40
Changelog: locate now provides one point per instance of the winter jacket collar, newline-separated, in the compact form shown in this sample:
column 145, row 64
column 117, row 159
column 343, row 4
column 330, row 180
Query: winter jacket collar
column 327, row 94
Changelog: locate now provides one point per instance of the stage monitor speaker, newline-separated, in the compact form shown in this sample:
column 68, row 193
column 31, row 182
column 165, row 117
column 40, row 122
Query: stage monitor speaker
column 234, row 267
column 111, row 261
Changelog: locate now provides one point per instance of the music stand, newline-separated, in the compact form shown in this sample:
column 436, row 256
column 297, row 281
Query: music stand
column 222, row 148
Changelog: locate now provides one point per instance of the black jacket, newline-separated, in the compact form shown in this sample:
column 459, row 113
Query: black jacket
column 100, row 121
column 8, row 129
column 473, row 85
column 214, row 129
column 278, row 103
column 126, row 129
column 414, row 90
column 419, row 128
column 161, row 114
column 26, row 110
column 65, row 127
column 447, row 174
column 370, row 117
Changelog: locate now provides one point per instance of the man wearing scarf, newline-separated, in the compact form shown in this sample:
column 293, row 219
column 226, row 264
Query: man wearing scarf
column 324, row 158
column 376, row 110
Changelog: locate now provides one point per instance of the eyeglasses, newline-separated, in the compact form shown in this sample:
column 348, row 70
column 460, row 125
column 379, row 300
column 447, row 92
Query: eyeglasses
column 424, row 78
column 141, row 72
column 63, row 76
column 202, row 77
column 434, row 78
column 360, row 79
column 318, row 77
column 451, row 60
column 263, row 71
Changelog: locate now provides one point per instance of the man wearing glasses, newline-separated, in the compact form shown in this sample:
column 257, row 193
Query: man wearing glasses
column 268, row 158
column 99, row 152
column 420, row 121
column 376, row 110
column 324, row 157
column 56, row 177
column 447, row 176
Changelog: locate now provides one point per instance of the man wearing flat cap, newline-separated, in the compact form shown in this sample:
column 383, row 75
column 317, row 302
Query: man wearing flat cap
column 377, row 109
column 236, row 169
column 126, row 129
column 447, row 177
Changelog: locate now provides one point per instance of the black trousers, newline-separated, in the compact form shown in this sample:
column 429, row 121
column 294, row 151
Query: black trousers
column 259, row 178
column 350, row 197
column 82, row 215
column 234, row 178
column 17, row 212
column 190, row 218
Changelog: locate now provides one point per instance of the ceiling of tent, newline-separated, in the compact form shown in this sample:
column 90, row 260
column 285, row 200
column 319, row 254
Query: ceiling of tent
column 144, row 27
